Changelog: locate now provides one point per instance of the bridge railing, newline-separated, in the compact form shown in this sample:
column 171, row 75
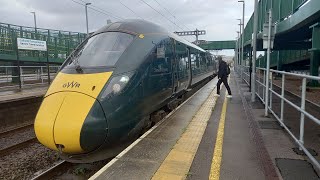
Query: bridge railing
column 60, row 43
column 299, row 106
column 283, row 56
column 281, row 9
column 29, row 76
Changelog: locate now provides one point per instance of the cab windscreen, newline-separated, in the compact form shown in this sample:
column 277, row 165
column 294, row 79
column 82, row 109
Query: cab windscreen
column 103, row 49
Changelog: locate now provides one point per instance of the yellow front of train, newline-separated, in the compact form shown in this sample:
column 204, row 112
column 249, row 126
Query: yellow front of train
column 70, row 118
column 64, row 109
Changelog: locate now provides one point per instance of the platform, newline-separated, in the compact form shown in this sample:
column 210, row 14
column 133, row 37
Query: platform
column 26, row 93
column 212, row 138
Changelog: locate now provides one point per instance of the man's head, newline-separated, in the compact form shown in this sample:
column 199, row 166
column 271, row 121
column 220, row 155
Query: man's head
column 219, row 58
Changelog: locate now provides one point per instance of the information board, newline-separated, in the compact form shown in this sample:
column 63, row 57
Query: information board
column 31, row 44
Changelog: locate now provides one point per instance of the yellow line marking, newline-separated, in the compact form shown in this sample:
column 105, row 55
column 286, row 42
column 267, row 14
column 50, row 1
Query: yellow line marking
column 179, row 160
column 217, row 156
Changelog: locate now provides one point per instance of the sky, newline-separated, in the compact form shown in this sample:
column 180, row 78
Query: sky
column 217, row 17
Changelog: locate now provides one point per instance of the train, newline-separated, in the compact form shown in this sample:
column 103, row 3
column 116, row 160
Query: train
column 107, row 91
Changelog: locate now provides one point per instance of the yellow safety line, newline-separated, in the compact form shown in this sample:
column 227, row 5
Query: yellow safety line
column 217, row 156
column 179, row 160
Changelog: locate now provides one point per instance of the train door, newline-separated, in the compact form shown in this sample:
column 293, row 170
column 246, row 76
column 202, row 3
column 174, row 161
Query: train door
column 189, row 68
column 174, row 65
column 182, row 66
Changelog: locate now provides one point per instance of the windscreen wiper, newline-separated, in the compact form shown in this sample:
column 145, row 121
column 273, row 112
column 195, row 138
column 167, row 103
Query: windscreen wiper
column 79, row 69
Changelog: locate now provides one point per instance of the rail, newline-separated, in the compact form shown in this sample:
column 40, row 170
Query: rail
column 261, row 94
column 28, row 76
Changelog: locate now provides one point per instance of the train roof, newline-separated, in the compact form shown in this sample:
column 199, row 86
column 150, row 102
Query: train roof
column 136, row 26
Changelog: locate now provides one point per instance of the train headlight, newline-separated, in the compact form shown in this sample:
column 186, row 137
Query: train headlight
column 116, row 85
column 116, row 88
column 124, row 79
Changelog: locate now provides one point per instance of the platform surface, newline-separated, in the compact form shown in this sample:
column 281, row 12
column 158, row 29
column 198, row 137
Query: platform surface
column 15, row 95
column 212, row 137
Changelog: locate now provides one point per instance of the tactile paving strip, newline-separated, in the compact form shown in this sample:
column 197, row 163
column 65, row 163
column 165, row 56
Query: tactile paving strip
column 179, row 160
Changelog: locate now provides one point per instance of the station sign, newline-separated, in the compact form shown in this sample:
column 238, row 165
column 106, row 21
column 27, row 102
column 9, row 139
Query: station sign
column 265, row 34
column 31, row 44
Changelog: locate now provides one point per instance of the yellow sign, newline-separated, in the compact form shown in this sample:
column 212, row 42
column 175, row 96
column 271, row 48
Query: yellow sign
column 141, row 36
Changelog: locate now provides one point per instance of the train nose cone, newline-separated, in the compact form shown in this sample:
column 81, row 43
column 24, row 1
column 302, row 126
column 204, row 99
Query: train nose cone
column 72, row 120
column 70, row 116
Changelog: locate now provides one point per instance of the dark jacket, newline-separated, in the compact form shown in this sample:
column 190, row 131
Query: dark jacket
column 223, row 69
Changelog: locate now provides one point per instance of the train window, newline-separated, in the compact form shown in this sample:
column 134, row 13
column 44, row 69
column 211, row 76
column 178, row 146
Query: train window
column 101, row 50
column 161, row 65
column 161, row 57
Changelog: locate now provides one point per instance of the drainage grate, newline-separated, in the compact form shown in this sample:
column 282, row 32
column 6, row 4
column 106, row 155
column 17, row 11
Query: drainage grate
column 269, row 125
column 295, row 169
column 257, row 105
column 301, row 152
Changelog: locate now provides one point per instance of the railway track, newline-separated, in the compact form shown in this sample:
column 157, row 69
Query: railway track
column 8, row 150
column 14, row 130
column 54, row 170
column 294, row 95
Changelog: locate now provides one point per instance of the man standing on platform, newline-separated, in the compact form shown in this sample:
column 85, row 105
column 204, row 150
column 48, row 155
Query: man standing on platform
column 223, row 73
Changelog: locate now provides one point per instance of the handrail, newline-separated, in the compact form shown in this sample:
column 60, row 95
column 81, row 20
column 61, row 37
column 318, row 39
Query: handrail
column 301, row 109
column 29, row 76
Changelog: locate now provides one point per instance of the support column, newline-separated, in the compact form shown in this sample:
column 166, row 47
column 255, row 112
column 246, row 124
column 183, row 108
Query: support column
column 279, row 61
column 250, row 66
column 315, row 54
column 279, row 64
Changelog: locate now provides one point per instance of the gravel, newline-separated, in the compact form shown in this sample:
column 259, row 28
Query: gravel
column 81, row 171
column 22, row 164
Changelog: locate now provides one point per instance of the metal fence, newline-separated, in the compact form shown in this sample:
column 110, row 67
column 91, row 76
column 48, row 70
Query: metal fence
column 60, row 43
column 261, row 94
column 29, row 76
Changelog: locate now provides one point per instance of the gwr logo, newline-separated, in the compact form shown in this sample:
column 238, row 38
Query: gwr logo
column 71, row 85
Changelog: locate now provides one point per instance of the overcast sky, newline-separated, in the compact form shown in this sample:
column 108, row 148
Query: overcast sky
column 217, row 17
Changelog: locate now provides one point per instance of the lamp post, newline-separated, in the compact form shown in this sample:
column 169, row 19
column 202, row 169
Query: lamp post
column 242, row 42
column 35, row 20
column 238, row 49
column 240, row 53
column 86, row 8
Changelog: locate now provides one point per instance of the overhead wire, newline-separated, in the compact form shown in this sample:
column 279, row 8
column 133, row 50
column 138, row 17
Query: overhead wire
column 107, row 13
column 161, row 14
column 171, row 14
column 97, row 9
column 131, row 10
